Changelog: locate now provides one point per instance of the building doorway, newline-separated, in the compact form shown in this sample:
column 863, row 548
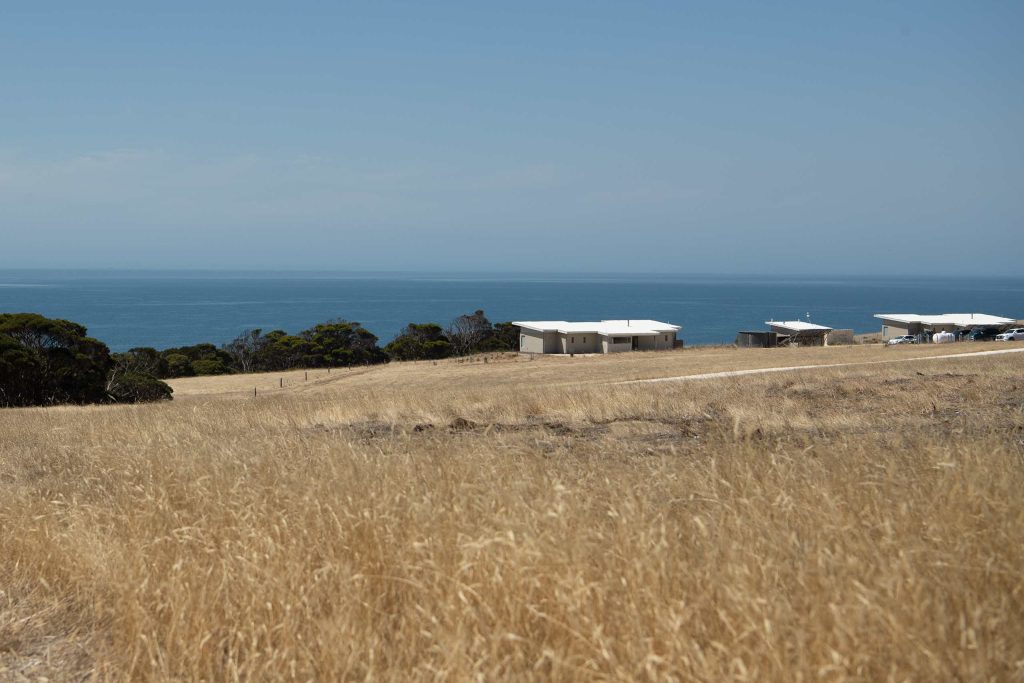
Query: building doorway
column 636, row 343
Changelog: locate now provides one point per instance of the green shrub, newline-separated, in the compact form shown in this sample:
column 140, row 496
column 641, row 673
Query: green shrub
column 135, row 387
column 45, row 361
column 209, row 367
column 178, row 365
column 425, row 341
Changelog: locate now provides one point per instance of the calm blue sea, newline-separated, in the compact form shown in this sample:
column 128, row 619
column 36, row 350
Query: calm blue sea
column 127, row 309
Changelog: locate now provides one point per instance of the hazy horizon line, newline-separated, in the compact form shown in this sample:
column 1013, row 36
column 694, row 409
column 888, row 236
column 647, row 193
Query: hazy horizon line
column 605, row 273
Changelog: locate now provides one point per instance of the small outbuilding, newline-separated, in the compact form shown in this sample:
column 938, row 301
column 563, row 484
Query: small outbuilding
column 757, row 339
column 606, row 336
column 798, row 332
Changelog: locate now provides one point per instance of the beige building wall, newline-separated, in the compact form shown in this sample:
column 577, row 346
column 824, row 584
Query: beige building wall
column 531, row 341
column 656, row 342
column 892, row 329
column 665, row 341
column 616, row 344
column 580, row 342
column 645, row 343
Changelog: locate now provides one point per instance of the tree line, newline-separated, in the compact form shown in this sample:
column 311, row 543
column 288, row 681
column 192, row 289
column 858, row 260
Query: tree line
column 48, row 362
column 338, row 343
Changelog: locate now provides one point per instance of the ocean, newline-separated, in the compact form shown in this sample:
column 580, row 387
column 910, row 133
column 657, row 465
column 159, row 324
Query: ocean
column 163, row 309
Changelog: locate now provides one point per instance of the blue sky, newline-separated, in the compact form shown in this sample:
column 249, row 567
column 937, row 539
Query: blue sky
column 817, row 137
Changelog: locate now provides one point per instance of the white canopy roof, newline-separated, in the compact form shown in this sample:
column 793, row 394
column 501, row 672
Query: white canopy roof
column 797, row 326
column 958, row 319
column 616, row 328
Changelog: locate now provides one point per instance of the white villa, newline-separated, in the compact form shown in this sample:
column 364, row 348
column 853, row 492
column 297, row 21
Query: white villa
column 607, row 336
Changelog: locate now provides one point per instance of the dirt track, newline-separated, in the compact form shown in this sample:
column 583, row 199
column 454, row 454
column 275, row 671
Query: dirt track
column 763, row 371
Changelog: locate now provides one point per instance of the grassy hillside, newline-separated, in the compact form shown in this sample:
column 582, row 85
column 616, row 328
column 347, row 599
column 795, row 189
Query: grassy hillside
column 528, row 519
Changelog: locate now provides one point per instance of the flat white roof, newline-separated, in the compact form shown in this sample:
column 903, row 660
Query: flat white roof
column 797, row 325
column 958, row 319
column 611, row 328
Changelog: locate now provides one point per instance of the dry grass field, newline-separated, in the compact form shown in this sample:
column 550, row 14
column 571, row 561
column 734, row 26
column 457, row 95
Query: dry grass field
column 528, row 519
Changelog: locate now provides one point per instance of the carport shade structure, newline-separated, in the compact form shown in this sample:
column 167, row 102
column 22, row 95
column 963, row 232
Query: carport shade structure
column 899, row 324
column 799, row 332
column 606, row 336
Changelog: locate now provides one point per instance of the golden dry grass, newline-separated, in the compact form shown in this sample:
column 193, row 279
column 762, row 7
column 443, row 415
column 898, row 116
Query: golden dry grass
column 516, row 370
column 527, row 520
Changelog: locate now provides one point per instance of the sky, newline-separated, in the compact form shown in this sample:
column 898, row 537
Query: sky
column 671, row 137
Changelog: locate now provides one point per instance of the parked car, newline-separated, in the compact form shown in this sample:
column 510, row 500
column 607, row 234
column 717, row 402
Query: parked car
column 1016, row 334
column 903, row 339
column 983, row 333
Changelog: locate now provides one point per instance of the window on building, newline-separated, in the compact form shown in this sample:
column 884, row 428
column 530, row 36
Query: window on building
column 666, row 337
column 620, row 340
column 584, row 340
column 573, row 339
